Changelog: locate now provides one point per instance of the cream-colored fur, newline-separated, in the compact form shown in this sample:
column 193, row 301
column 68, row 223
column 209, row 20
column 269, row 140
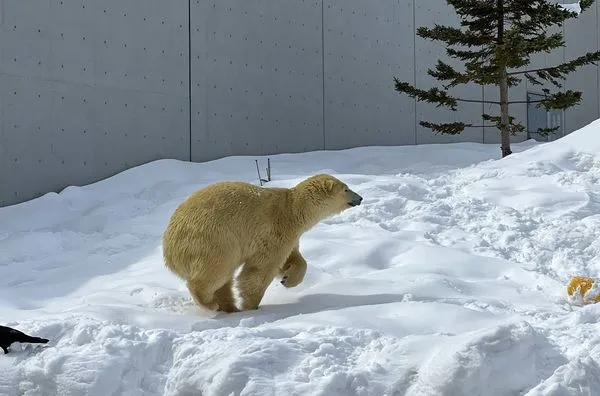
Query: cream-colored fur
column 227, row 224
column 293, row 270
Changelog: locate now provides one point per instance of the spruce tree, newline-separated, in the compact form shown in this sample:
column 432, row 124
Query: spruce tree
column 495, row 41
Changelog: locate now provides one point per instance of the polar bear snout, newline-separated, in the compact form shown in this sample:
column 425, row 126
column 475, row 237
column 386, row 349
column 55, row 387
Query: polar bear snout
column 354, row 198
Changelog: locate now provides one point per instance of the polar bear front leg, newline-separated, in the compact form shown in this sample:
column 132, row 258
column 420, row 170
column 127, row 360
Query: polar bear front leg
column 293, row 270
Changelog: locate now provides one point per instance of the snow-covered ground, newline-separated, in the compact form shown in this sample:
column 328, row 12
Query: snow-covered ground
column 450, row 279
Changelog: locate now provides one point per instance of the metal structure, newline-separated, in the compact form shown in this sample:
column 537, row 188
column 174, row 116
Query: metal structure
column 88, row 88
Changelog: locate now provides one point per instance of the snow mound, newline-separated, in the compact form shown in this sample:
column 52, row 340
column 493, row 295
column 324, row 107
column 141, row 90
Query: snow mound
column 504, row 360
column 449, row 279
column 580, row 376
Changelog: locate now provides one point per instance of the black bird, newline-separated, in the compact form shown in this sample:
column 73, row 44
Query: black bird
column 8, row 336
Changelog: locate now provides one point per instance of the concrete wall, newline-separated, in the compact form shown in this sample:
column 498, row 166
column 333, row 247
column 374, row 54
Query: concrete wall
column 91, row 88
column 257, row 77
column 582, row 35
column 366, row 44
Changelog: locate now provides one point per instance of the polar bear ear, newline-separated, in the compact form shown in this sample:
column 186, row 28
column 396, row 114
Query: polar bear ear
column 329, row 185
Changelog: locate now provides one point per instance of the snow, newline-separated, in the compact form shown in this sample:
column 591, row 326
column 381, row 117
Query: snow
column 573, row 7
column 450, row 279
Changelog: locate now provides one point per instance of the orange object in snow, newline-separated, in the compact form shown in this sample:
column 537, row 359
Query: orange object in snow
column 584, row 285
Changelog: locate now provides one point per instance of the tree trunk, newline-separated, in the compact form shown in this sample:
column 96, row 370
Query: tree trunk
column 504, row 119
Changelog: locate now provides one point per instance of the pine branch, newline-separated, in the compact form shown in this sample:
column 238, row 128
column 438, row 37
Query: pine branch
column 532, row 70
column 559, row 71
column 516, row 128
column 452, row 36
column 534, row 81
column 513, row 126
column 560, row 100
column 464, row 55
column 585, row 4
column 483, row 74
column 445, row 72
column 519, row 48
column 477, row 16
column 433, row 95
column 547, row 131
column 452, row 128
column 533, row 17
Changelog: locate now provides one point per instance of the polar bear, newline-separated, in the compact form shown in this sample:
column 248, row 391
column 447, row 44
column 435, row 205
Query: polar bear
column 228, row 224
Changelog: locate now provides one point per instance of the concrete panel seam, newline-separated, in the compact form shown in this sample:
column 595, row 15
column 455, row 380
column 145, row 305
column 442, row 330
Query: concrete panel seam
column 482, row 112
column 597, row 68
column 190, row 76
column 323, row 66
column 415, row 65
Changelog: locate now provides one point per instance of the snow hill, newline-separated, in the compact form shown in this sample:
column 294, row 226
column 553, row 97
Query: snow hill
column 449, row 280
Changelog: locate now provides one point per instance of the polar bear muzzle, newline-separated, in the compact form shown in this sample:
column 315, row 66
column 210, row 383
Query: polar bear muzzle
column 353, row 198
